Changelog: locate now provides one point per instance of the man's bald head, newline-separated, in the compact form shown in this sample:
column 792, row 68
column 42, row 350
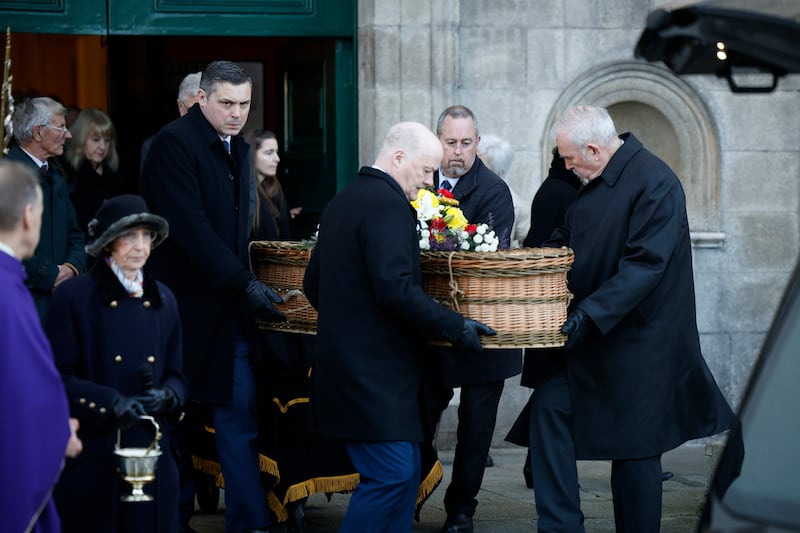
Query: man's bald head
column 410, row 154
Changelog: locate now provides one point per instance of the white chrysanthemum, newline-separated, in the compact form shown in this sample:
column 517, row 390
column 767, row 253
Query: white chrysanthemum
column 465, row 245
column 424, row 244
column 478, row 238
column 481, row 229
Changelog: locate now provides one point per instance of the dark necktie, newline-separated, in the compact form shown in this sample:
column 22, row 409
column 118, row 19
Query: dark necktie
column 227, row 145
column 45, row 169
column 446, row 185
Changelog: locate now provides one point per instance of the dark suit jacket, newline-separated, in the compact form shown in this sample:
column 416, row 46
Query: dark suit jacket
column 483, row 197
column 548, row 211
column 61, row 240
column 364, row 278
column 639, row 384
column 203, row 192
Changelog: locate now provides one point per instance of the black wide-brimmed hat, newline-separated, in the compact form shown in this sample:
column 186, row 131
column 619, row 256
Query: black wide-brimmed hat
column 118, row 215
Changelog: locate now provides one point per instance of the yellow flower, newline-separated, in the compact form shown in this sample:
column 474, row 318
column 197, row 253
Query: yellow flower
column 454, row 218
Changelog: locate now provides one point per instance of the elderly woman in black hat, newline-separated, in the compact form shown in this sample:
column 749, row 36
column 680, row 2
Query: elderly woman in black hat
column 116, row 337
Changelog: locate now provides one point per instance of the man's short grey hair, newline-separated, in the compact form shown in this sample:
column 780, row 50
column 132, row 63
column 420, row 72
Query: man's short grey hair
column 18, row 188
column 218, row 72
column 496, row 153
column 456, row 111
column 34, row 112
column 189, row 86
column 584, row 124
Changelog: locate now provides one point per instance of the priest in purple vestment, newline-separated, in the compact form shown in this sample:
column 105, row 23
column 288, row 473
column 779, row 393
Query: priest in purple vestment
column 35, row 430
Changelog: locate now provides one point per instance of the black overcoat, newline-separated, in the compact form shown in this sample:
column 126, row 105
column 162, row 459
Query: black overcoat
column 101, row 339
column 203, row 192
column 483, row 198
column 364, row 278
column 639, row 384
column 61, row 239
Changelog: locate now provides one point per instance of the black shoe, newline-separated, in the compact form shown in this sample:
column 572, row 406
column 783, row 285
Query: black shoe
column 666, row 476
column 489, row 461
column 458, row 523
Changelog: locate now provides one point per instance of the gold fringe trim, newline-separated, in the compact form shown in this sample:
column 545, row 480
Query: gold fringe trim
column 212, row 468
column 283, row 408
column 206, row 466
column 269, row 466
column 277, row 507
column 430, row 482
column 209, row 429
column 326, row 485
column 341, row 484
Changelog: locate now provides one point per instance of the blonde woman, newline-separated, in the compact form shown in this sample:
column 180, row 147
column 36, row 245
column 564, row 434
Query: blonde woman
column 92, row 163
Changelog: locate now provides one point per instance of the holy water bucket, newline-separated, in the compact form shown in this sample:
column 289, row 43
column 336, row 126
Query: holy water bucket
column 137, row 466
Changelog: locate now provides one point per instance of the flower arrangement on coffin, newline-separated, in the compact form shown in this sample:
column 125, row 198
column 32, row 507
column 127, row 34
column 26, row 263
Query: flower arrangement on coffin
column 442, row 226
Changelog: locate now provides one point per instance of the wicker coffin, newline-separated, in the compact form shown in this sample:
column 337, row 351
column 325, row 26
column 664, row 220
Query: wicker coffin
column 521, row 293
column 281, row 265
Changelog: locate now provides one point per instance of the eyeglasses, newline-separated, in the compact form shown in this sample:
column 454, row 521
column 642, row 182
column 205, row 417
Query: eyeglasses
column 60, row 129
column 132, row 237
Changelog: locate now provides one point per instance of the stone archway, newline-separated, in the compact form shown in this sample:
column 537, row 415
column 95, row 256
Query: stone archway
column 669, row 117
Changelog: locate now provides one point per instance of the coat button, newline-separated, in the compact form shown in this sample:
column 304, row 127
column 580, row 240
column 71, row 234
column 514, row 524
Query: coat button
column 102, row 410
column 82, row 401
column 118, row 359
column 146, row 304
column 92, row 405
column 151, row 359
column 113, row 304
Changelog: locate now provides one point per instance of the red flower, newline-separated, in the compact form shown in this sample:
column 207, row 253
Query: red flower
column 438, row 224
column 444, row 192
column 471, row 228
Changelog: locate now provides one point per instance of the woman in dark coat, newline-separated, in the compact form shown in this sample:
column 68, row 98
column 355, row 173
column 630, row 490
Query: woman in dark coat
column 117, row 343
column 271, row 220
column 92, row 164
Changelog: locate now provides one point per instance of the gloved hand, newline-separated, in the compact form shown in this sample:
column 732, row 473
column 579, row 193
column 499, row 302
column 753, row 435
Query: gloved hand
column 160, row 401
column 469, row 338
column 260, row 301
column 577, row 327
column 128, row 410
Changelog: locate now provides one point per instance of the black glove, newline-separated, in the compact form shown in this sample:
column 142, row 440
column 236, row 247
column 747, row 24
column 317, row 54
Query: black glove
column 469, row 338
column 260, row 301
column 160, row 401
column 577, row 327
column 128, row 410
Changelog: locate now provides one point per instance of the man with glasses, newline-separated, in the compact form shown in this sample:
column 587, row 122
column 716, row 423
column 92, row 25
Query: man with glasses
column 40, row 131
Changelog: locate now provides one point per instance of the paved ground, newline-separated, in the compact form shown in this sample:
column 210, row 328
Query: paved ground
column 506, row 505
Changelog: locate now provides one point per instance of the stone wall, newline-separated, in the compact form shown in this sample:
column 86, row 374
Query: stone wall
column 519, row 63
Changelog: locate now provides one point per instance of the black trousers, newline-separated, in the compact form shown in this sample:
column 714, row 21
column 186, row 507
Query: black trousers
column 636, row 484
column 477, row 414
column 554, row 469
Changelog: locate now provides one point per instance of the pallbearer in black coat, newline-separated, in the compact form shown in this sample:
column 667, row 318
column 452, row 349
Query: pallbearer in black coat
column 364, row 278
column 198, row 176
column 484, row 198
column 638, row 385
